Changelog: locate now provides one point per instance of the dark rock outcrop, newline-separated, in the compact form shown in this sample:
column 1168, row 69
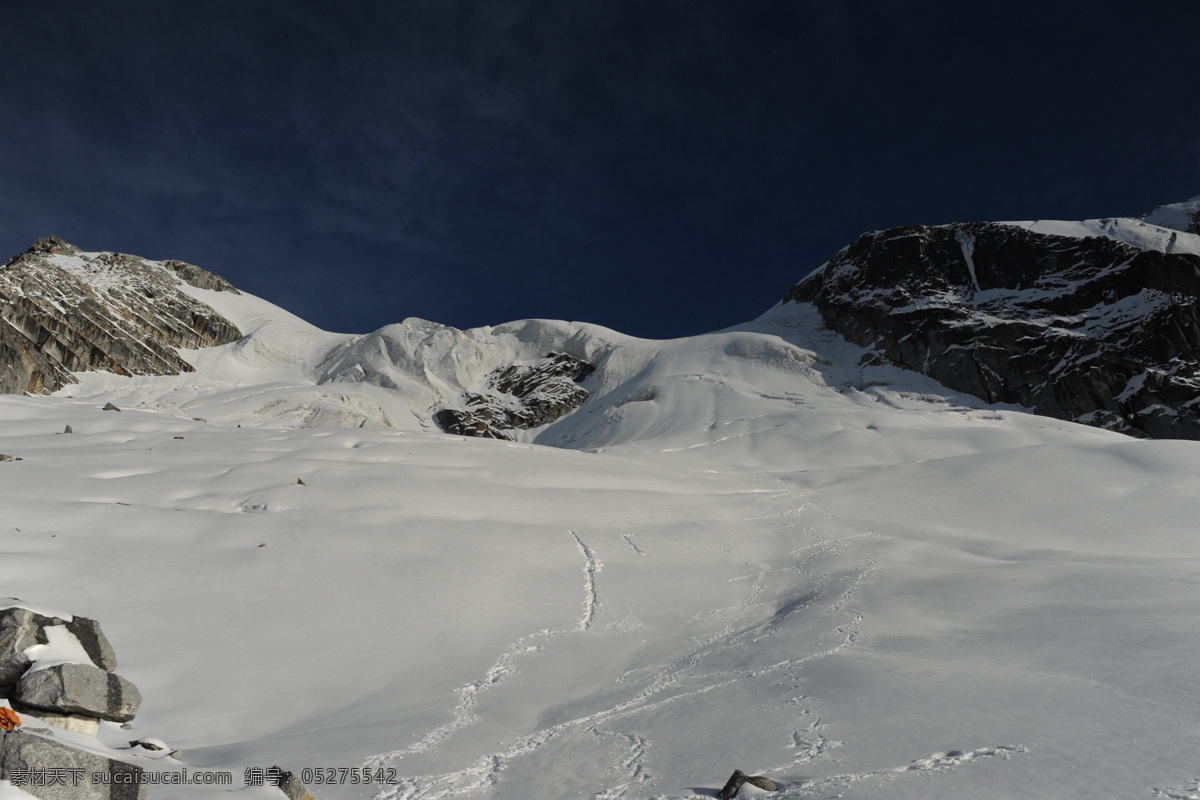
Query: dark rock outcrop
column 290, row 785
column 519, row 397
column 94, row 642
column 1085, row 329
column 738, row 778
column 64, row 311
column 19, row 630
column 52, row 770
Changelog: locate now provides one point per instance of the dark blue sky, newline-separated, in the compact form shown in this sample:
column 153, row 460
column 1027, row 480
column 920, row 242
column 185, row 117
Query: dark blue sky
column 659, row 167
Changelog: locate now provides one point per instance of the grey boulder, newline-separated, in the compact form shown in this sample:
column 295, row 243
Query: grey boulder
column 19, row 630
column 51, row 770
column 94, row 642
column 79, row 689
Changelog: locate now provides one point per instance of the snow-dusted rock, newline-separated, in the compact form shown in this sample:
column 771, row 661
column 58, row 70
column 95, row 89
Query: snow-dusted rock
column 19, row 630
column 68, row 311
column 87, row 632
column 734, row 787
column 22, row 629
column 79, row 689
column 153, row 747
column 1084, row 327
column 519, row 397
column 50, row 769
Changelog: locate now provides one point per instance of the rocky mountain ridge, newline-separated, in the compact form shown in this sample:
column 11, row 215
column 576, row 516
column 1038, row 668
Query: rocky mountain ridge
column 64, row 311
column 1092, row 322
column 1091, row 329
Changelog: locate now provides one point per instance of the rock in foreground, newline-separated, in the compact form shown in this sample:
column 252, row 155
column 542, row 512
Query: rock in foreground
column 79, row 689
column 51, row 770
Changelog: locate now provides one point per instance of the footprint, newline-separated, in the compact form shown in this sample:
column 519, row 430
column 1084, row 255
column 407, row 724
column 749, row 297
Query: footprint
column 1189, row 792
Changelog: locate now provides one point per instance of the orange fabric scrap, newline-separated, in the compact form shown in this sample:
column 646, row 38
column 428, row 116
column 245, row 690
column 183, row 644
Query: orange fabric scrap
column 9, row 719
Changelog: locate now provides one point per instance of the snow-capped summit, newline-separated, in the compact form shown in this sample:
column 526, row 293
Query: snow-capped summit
column 1178, row 216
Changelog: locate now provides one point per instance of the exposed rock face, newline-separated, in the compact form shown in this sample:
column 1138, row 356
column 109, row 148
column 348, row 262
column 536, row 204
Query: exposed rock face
column 73, row 696
column 291, row 786
column 519, row 397
column 79, row 689
column 21, row 628
column 739, row 778
column 94, row 642
column 34, row 763
column 64, row 311
column 1085, row 329
column 79, row 723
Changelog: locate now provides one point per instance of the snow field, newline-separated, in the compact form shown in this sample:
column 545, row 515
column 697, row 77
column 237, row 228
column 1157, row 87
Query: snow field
column 744, row 551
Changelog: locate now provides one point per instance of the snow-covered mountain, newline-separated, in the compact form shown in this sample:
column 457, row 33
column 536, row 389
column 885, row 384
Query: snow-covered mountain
column 1177, row 216
column 761, row 548
column 64, row 311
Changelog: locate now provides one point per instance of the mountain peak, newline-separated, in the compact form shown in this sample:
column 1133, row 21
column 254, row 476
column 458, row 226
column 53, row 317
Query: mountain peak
column 1098, row 326
column 48, row 244
column 71, row 311
column 1178, row 216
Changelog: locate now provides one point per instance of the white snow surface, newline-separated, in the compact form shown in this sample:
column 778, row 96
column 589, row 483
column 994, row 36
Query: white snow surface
column 743, row 551
column 1142, row 234
column 1175, row 215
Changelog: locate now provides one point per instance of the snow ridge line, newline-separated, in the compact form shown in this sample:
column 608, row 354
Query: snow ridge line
column 591, row 600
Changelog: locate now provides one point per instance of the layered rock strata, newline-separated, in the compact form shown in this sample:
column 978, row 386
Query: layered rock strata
column 63, row 311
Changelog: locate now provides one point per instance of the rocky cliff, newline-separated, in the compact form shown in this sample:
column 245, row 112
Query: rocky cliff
column 63, row 311
column 518, row 397
column 1092, row 329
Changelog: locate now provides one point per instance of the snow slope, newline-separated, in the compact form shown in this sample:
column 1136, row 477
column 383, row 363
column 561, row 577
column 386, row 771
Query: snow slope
column 1154, row 233
column 1180, row 216
column 744, row 551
